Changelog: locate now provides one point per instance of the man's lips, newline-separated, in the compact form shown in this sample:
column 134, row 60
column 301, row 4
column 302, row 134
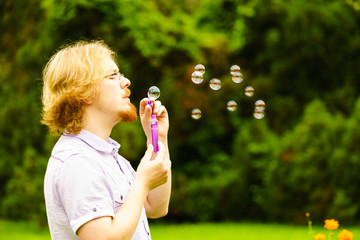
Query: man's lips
column 126, row 98
column 127, row 94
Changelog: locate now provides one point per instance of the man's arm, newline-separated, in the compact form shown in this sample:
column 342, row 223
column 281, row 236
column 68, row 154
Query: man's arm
column 157, row 201
column 124, row 223
column 151, row 174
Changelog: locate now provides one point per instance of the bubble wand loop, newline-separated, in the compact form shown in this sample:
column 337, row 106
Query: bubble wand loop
column 154, row 93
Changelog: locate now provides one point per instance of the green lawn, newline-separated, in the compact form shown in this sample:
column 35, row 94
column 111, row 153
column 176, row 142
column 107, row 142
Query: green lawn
column 241, row 231
column 23, row 231
column 208, row 231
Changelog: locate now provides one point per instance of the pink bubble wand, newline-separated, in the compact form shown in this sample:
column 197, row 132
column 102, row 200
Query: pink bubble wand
column 154, row 93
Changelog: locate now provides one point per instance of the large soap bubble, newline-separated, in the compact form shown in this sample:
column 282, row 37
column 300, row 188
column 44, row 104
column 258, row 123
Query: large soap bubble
column 153, row 93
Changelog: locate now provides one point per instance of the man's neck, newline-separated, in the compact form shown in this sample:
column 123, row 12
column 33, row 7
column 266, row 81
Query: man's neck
column 98, row 126
column 98, row 132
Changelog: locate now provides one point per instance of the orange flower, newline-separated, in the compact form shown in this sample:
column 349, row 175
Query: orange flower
column 331, row 224
column 345, row 235
column 307, row 214
column 319, row 236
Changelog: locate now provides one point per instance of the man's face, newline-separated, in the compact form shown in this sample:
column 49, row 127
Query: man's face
column 113, row 100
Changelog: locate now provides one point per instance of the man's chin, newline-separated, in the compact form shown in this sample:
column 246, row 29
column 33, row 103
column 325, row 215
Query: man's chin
column 129, row 115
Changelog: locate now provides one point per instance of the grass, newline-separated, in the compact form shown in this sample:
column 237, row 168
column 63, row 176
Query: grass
column 241, row 231
column 209, row 231
column 22, row 230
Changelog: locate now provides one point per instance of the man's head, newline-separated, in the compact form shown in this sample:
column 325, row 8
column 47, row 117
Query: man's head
column 73, row 80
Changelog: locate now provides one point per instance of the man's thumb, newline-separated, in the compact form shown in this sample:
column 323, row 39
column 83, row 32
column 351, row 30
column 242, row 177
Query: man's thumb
column 149, row 151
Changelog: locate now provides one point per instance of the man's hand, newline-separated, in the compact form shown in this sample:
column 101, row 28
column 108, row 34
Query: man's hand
column 154, row 169
column 161, row 113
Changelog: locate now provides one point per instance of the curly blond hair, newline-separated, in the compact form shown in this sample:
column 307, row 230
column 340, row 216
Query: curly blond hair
column 70, row 81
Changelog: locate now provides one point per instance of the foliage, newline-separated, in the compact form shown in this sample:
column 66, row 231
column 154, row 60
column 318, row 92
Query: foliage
column 304, row 154
column 300, row 46
column 25, row 189
column 317, row 167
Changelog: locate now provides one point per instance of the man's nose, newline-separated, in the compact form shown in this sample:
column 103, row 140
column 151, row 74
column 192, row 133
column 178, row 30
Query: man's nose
column 124, row 82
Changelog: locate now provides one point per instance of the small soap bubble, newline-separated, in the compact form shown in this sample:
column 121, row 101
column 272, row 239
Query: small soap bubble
column 235, row 70
column 249, row 91
column 237, row 78
column 231, row 105
column 200, row 68
column 259, row 105
column 197, row 77
column 215, row 84
column 259, row 109
column 196, row 113
column 259, row 115
column 154, row 93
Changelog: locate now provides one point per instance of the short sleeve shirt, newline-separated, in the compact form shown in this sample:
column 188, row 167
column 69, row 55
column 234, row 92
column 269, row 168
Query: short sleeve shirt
column 85, row 179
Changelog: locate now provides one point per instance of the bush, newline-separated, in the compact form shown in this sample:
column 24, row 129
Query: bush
column 312, row 171
column 24, row 197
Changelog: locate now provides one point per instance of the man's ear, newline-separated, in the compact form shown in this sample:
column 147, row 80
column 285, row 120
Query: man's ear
column 88, row 101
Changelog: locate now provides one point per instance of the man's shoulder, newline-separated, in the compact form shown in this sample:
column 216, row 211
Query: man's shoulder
column 69, row 146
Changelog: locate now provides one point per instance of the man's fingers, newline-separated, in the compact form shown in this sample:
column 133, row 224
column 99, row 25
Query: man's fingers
column 156, row 106
column 161, row 110
column 160, row 155
column 149, row 151
column 156, row 109
column 145, row 108
column 143, row 104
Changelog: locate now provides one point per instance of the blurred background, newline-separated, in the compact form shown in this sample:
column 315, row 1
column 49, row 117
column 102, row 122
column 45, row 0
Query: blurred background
column 301, row 56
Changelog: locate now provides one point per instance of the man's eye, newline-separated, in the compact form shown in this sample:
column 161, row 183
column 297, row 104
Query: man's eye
column 113, row 76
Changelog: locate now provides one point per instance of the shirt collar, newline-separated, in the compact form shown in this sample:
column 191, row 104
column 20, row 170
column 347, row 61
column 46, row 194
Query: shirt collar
column 98, row 143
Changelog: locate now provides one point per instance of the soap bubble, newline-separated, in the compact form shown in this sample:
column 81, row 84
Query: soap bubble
column 196, row 113
column 154, row 93
column 259, row 105
column 197, row 77
column 231, row 105
column 215, row 84
column 238, row 78
column 259, row 111
column 259, row 115
column 235, row 70
column 249, row 91
column 200, row 68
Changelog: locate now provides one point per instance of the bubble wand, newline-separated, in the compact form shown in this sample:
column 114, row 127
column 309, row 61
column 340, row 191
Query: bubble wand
column 153, row 94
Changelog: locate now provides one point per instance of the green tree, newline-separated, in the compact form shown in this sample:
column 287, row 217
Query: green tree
column 300, row 179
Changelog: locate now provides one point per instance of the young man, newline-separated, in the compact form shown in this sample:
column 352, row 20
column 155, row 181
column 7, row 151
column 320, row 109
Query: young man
column 91, row 192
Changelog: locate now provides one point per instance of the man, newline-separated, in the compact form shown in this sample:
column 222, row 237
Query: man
column 91, row 192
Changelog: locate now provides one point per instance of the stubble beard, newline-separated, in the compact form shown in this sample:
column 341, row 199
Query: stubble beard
column 129, row 115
